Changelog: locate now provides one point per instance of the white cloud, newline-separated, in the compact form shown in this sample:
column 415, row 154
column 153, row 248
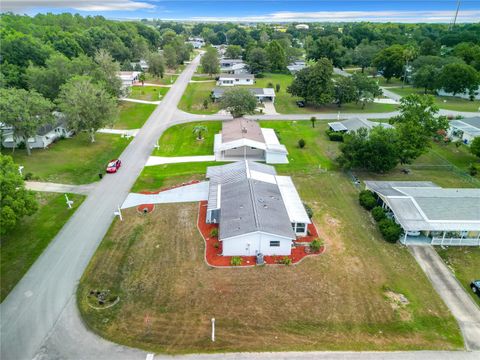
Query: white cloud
column 349, row 16
column 81, row 5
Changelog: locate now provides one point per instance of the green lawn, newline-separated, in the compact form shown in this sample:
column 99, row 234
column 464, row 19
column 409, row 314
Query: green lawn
column 444, row 102
column 71, row 161
column 180, row 140
column 203, row 78
column 149, row 93
column 168, row 295
column 133, row 115
column 286, row 103
column 166, row 80
column 194, row 96
column 22, row 246
column 464, row 263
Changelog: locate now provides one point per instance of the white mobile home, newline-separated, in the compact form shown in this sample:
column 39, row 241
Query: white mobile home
column 235, row 79
column 464, row 130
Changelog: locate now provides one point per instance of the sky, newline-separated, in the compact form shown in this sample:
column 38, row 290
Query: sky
column 409, row 11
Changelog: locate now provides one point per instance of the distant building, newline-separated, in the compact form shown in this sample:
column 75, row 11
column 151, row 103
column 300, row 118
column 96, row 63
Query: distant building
column 128, row 77
column 197, row 42
column 464, row 130
column 235, row 79
column 465, row 95
column 233, row 66
column 245, row 139
column 302, row 27
column 142, row 64
column 351, row 125
column 262, row 94
column 430, row 214
column 257, row 210
column 296, row 66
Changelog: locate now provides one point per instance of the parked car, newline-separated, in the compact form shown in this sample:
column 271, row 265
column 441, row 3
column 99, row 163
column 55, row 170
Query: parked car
column 113, row 166
column 301, row 103
column 475, row 286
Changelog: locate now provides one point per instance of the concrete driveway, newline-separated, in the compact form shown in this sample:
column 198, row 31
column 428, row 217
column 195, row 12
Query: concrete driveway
column 463, row 308
column 160, row 160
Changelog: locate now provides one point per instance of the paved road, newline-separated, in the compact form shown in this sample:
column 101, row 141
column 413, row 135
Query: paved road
column 60, row 188
column 463, row 308
column 31, row 310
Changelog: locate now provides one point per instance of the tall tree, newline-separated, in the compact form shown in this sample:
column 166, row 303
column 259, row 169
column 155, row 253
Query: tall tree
column 210, row 62
column 364, row 53
column 314, row 84
column 329, row 47
column 156, row 64
column 170, row 55
column 276, row 56
column 390, row 61
column 458, row 78
column 367, row 88
column 25, row 111
column 107, row 72
column 233, row 52
column 345, row 91
column 426, row 77
column 15, row 200
column 257, row 60
column 87, row 106
column 238, row 101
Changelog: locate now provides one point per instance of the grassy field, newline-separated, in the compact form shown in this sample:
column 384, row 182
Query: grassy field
column 194, row 96
column 340, row 300
column 166, row 80
column 286, row 103
column 149, row 93
column 464, row 263
column 180, row 140
column 444, row 102
column 133, row 115
column 71, row 161
column 22, row 246
column 203, row 78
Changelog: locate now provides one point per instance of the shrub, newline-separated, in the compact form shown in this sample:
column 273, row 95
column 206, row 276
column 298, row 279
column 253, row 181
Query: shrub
column 390, row 230
column 473, row 171
column 367, row 199
column 214, row 232
column 205, row 104
column 334, row 135
column 259, row 76
column 301, row 143
column 286, row 261
column 308, row 210
column 315, row 245
column 236, row 261
column 216, row 245
column 28, row 176
column 270, row 85
column 277, row 87
column 378, row 213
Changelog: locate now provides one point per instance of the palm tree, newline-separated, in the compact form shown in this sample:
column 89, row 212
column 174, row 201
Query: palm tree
column 409, row 53
column 142, row 78
column 199, row 130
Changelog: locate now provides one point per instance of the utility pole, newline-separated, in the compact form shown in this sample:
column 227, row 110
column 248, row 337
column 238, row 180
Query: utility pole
column 456, row 15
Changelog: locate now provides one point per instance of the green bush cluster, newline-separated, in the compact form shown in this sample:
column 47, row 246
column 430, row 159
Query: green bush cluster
column 315, row 245
column 390, row 230
column 214, row 233
column 367, row 199
column 378, row 213
column 236, row 261
column 335, row 135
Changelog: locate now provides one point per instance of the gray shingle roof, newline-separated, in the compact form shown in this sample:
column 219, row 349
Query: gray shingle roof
column 356, row 123
column 241, row 128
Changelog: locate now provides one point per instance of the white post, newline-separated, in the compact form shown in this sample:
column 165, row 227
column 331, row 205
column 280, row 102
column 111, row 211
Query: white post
column 213, row 329
column 20, row 168
column 338, row 115
column 118, row 213
column 69, row 202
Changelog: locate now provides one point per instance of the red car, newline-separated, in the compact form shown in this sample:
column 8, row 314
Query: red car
column 113, row 166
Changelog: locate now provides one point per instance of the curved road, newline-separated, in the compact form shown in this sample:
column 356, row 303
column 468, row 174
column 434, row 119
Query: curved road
column 39, row 318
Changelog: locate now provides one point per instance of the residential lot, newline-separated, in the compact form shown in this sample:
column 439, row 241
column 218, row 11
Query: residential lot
column 345, row 299
column 194, row 96
column 71, row 161
column 149, row 93
column 166, row 80
column 444, row 102
column 21, row 247
column 133, row 115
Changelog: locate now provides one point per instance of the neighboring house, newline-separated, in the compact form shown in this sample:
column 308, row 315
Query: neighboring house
column 464, row 95
column 257, row 210
column 128, row 77
column 142, row 64
column 45, row 135
column 296, row 66
column 221, row 49
column 197, row 42
column 262, row 94
column 430, row 214
column 465, row 130
column 354, row 124
column 244, row 139
column 233, row 66
column 235, row 79
column 301, row 27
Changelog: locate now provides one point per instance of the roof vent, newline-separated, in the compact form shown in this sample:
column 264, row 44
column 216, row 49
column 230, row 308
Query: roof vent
column 244, row 130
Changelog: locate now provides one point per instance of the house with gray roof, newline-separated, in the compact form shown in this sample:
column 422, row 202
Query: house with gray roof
column 464, row 130
column 262, row 94
column 233, row 66
column 296, row 66
column 430, row 214
column 235, row 79
column 243, row 138
column 257, row 210
column 351, row 125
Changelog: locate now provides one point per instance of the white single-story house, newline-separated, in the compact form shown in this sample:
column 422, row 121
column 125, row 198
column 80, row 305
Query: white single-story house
column 244, row 139
column 464, row 95
column 45, row 135
column 142, row 64
column 197, row 42
column 354, row 124
column 301, row 27
column 296, row 66
column 262, row 94
column 128, row 77
column 233, row 66
column 430, row 214
column 464, row 130
column 257, row 210
column 235, row 79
